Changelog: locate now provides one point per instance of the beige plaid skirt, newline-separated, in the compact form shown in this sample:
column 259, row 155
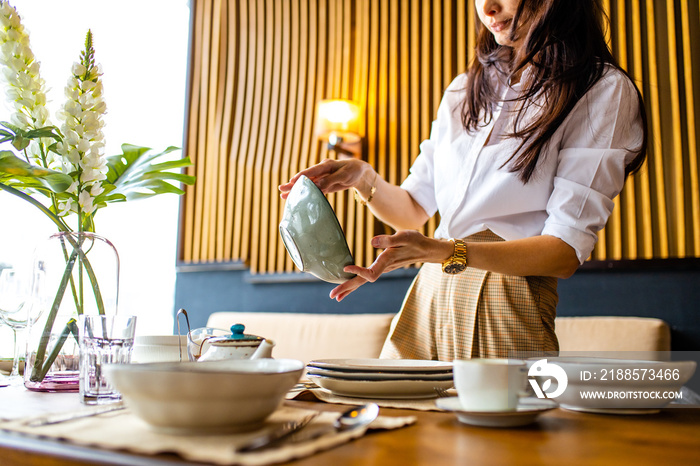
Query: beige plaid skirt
column 474, row 314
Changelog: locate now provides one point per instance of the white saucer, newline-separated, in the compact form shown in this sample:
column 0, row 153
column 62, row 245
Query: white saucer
column 527, row 411
column 583, row 409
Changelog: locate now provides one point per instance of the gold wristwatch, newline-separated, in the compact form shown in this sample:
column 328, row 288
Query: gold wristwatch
column 458, row 262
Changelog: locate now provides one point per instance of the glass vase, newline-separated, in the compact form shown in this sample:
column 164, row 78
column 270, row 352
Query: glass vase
column 74, row 273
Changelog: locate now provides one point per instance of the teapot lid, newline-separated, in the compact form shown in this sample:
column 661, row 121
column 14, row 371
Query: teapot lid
column 237, row 335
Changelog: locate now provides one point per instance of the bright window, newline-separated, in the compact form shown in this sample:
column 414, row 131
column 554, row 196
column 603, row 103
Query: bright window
column 142, row 46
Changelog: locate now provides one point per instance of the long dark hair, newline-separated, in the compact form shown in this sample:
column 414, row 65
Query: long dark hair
column 566, row 50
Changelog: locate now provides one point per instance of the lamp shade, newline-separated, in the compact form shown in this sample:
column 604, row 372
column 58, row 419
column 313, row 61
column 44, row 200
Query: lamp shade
column 340, row 117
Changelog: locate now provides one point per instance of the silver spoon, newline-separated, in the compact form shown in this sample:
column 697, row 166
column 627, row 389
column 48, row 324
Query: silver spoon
column 354, row 418
column 357, row 417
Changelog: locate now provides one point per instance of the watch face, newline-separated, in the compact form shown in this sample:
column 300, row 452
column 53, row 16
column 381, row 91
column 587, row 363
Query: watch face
column 454, row 268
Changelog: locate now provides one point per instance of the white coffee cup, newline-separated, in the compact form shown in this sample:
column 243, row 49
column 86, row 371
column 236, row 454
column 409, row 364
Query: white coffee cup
column 489, row 384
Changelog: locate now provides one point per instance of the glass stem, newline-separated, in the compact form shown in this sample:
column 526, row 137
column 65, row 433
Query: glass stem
column 15, row 359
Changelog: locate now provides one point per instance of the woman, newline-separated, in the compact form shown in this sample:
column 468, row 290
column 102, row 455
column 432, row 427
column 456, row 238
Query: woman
column 527, row 153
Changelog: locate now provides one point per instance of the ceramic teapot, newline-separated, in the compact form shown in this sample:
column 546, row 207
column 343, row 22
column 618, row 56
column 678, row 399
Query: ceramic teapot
column 237, row 345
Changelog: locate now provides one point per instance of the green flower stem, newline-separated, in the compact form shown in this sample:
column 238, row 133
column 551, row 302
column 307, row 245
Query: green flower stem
column 70, row 327
column 78, row 303
column 38, row 372
column 41, row 367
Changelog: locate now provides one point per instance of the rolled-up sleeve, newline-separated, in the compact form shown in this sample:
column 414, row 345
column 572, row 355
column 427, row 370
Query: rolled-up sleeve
column 598, row 139
column 420, row 183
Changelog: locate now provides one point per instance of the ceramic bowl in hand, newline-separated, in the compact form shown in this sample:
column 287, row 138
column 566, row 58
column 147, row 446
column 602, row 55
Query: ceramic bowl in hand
column 312, row 234
column 206, row 397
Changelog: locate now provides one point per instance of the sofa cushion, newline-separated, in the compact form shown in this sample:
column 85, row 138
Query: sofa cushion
column 605, row 334
column 313, row 336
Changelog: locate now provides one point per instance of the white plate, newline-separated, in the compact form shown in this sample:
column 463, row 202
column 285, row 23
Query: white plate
column 527, row 411
column 387, row 389
column 380, row 375
column 383, row 365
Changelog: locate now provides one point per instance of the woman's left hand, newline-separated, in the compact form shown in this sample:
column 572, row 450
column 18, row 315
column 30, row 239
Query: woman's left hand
column 400, row 249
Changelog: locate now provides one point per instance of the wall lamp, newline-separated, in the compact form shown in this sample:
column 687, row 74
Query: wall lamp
column 338, row 122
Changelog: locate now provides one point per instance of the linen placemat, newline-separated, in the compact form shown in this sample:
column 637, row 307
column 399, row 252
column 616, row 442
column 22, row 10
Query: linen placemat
column 321, row 394
column 122, row 430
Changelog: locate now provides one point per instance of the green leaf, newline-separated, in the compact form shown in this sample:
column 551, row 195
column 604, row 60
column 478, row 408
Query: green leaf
column 136, row 174
column 28, row 175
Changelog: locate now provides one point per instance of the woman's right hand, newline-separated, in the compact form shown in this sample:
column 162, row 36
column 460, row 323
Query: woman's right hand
column 334, row 175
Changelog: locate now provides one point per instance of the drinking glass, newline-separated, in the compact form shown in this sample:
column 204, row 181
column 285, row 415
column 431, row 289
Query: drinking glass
column 103, row 340
column 13, row 313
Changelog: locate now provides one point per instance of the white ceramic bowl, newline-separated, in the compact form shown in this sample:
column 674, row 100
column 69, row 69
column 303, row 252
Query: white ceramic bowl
column 218, row 396
column 622, row 386
column 159, row 348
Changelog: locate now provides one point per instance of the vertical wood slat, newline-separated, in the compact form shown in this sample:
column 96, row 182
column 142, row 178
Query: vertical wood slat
column 211, row 149
column 405, row 92
column 643, row 191
column 690, row 116
column 599, row 251
column 187, row 214
column 677, row 194
column 655, row 151
column 220, row 143
column 282, row 27
column 619, row 224
column 253, row 157
column 241, row 14
column 260, row 66
column 393, row 94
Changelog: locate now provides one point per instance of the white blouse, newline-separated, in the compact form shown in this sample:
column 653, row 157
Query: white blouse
column 570, row 194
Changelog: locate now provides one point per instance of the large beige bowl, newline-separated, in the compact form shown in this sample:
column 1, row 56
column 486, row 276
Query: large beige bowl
column 217, row 396
column 618, row 386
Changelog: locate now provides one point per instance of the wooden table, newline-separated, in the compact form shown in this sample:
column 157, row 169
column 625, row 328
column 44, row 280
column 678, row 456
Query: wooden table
column 559, row 437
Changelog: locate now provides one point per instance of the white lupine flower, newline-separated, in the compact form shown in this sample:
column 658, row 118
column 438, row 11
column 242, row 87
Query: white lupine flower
column 26, row 92
column 85, row 202
column 83, row 142
column 65, row 207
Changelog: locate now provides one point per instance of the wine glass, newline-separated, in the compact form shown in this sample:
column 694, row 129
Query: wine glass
column 13, row 297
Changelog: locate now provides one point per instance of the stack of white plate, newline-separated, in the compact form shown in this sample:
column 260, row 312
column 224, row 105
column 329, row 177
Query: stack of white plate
column 381, row 378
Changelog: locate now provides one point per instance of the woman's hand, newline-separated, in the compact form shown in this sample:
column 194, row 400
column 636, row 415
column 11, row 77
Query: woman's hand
column 400, row 249
column 333, row 175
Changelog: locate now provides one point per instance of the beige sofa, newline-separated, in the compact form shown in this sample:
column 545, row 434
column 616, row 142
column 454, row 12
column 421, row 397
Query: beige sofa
column 315, row 336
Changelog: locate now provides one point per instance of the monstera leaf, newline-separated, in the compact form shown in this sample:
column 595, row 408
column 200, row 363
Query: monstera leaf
column 17, row 172
column 135, row 174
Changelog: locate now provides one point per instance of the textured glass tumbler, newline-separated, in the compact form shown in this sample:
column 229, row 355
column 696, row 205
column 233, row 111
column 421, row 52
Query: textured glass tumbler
column 103, row 340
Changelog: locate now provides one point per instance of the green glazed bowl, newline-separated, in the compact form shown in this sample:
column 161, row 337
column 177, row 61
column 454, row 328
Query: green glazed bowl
column 312, row 234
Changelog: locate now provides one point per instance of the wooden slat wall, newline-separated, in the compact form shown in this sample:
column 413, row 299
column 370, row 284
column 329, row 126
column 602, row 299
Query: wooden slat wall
column 258, row 67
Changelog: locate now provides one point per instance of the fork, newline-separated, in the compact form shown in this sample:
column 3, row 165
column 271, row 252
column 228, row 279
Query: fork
column 282, row 432
column 441, row 392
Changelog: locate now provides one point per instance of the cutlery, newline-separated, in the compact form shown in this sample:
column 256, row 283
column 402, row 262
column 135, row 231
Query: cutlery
column 63, row 417
column 285, row 430
column 355, row 418
column 441, row 392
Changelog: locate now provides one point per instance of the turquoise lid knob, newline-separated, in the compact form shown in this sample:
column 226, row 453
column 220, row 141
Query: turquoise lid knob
column 237, row 333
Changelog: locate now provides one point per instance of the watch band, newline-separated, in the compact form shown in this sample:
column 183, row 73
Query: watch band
column 458, row 262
